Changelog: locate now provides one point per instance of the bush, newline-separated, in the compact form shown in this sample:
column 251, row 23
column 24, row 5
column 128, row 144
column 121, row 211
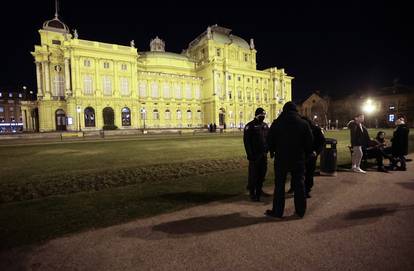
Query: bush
column 110, row 127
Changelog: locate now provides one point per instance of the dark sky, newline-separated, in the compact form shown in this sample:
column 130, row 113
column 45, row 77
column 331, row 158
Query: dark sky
column 332, row 47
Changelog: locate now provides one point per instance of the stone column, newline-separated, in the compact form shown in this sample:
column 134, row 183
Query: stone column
column 68, row 91
column 45, row 67
column 39, row 79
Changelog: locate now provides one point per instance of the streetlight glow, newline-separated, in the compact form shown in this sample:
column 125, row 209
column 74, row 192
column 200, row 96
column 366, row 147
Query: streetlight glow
column 368, row 107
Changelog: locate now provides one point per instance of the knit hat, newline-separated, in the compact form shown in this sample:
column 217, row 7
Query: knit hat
column 259, row 111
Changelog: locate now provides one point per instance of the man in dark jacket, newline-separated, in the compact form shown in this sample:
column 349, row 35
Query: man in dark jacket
column 290, row 143
column 310, row 165
column 399, row 145
column 255, row 135
column 317, row 146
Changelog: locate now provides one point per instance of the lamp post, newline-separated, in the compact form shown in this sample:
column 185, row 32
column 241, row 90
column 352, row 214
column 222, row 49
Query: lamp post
column 144, row 114
column 78, row 109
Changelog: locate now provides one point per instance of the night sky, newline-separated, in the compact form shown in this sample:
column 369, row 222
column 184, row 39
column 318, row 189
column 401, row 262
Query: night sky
column 335, row 48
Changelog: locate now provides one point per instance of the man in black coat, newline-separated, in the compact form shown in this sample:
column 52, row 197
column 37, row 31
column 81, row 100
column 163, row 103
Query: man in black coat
column 290, row 143
column 317, row 146
column 254, row 138
column 399, row 145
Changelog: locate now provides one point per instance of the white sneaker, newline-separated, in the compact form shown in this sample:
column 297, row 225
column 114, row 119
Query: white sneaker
column 360, row 170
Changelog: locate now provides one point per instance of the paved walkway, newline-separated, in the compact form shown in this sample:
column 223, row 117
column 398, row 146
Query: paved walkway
column 354, row 222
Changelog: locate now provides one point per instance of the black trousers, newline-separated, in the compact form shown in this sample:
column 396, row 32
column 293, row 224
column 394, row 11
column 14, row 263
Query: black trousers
column 297, row 172
column 310, row 167
column 377, row 154
column 257, row 174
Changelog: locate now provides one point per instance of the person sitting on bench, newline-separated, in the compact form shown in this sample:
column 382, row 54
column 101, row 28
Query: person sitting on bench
column 377, row 149
column 399, row 146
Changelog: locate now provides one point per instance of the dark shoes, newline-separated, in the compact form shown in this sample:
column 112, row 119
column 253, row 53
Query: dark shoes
column 307, row 195
column 270, row 213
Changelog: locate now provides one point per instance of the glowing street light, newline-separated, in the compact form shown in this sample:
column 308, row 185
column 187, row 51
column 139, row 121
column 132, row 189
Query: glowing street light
column 368, row 107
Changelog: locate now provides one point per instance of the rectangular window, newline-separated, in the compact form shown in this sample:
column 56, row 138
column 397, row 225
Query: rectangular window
column 87, row 84
column 229, row 93
column 229, row 77
column 238, row 78
column 188, row 94
column 10, row 95
column 1, row 94
column 1, row 109
column 124, row 67
column 197, row 92
column 178, row 91
column 58, row 86
column 57, row 42
column 11, row 108
column 142, row 89
column 124, row 86
column 239, row 95
column 154, row 90
column 107, row 85
column 246, row 57
column 106, row 65
column 20, row 95
column 87, row 63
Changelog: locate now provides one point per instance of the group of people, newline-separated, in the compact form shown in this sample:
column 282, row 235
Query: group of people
column 363, row 146
column 212, row 127
column 294, row 142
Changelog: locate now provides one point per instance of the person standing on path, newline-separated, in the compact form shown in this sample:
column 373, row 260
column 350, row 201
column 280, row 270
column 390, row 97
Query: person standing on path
column 290, row 143
column 359, row 140
column 254, row 138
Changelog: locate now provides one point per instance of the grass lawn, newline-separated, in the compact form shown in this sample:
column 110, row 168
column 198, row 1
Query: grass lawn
column 49, row 190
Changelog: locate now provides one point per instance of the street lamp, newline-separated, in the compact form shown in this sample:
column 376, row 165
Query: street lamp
column 143, row 115
column 368, row 107
column 78, row 109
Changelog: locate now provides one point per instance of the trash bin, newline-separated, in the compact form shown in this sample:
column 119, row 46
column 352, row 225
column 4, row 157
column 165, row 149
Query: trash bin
column 329, row 157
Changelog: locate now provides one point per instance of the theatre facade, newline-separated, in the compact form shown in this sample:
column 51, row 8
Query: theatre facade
column 89, row 85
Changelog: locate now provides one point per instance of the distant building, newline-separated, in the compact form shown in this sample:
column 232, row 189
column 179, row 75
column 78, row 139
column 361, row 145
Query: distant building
column 90, row 85
column 315, row 108
column 11, row 119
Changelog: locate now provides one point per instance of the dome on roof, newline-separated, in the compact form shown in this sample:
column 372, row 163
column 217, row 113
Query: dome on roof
column 56, row 25
column 221, row 35
column 239, row 41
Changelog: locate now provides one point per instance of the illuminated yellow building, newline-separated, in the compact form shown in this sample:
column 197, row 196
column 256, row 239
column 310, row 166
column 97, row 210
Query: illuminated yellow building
column 88, row 85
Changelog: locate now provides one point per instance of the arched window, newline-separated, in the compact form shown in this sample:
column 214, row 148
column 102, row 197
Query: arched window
column 156, row 114
column 189, row 115
column 89, row 117
column 108, row 116
column 199, row 114
column 179, row 116
column 167, row 114
column 126, row 116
